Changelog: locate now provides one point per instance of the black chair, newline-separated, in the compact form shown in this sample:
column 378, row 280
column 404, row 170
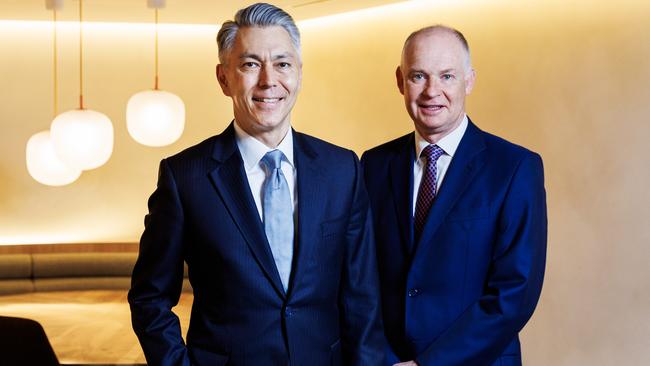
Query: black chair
column 23, row 342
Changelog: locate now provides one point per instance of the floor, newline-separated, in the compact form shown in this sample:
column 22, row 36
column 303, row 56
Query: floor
column 87, row 327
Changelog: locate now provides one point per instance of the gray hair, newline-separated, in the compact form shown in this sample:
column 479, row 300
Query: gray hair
column 256, row 15
column 439, row 27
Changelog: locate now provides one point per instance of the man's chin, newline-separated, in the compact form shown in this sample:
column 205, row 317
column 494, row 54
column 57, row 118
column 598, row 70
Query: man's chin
column 430, row 125
column 270, row 124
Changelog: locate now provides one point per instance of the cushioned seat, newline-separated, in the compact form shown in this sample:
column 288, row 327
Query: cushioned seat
column 82, row 271
column 21, row 273
column 16, row 273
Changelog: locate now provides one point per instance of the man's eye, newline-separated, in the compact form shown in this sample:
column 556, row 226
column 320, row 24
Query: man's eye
column 284, row 65
column 249, row 65
column 417, row 77
column 447, row 76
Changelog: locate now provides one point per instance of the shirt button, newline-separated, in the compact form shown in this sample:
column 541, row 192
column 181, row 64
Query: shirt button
column 414, row 292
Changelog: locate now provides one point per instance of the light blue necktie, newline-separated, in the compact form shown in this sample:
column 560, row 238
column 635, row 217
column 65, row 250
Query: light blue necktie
column 277, row 210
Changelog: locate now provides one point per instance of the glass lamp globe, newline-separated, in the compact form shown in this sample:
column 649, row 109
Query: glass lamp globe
column 82, row 138
column 155, row 117
column 44, row 165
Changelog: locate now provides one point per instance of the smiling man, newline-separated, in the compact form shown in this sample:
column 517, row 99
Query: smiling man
column 274, row 226
column 460, row 220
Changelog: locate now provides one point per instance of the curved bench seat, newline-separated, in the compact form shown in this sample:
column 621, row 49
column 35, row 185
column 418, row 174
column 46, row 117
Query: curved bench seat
column 20, row 273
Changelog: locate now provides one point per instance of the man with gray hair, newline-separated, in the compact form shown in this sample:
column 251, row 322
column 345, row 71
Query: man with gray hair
column 460, row 220
column 274, row 226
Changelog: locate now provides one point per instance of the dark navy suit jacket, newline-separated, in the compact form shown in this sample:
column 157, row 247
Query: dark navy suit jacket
column 463, row 292
column 203, row 213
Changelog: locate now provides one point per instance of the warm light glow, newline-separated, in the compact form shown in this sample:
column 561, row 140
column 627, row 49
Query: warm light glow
column 82, row 138
column 73, row 26
column 155, row 117
column 108, row 27
column 376, row 11
column 44, row 165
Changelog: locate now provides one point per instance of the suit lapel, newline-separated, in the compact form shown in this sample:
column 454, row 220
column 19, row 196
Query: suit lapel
column 229, row 179
column 401, row 174
column 467, row 161
column 311, row 202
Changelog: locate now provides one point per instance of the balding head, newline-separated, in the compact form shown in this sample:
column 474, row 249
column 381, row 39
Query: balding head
column 440, row 29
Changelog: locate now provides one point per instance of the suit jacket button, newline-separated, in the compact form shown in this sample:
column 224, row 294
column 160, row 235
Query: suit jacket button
column 414, row 292
column 288, row 312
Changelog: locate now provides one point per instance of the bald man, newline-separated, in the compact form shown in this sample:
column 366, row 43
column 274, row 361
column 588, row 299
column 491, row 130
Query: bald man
column 459, row 218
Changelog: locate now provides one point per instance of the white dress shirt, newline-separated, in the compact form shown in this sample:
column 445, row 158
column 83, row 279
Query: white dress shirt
column 448, row 144
column 252, row 151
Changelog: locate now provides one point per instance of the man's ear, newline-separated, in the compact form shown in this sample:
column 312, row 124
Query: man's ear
column 470, row 79
column 299, row 75
column 400, row 79
column 223, row 81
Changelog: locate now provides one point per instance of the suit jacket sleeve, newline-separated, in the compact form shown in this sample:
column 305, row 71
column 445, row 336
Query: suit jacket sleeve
column 157, row 278
column 362, row 332
column 514, row 281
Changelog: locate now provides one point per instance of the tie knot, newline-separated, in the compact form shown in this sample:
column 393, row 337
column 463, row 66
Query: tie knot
column 272, row 159
column 432, row 152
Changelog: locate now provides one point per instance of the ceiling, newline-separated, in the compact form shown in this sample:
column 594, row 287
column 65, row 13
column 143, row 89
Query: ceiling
column 176, row 11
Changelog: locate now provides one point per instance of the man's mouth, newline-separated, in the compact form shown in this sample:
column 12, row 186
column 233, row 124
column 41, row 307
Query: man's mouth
column 267, row 100
column 431, row 107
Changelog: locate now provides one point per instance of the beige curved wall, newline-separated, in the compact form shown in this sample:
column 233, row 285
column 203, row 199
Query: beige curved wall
column 567, row 79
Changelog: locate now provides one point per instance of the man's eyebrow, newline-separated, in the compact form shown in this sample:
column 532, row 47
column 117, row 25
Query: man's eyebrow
column 281, row 56
column 250, row 55
column 444, row 71
column 416, row 71
column 258, row 58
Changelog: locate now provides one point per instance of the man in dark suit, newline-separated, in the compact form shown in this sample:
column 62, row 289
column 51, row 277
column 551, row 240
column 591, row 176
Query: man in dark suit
column 274, row 226
column 459, row 217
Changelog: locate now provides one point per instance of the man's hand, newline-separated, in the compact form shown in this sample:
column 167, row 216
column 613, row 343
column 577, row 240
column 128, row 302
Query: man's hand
column 407, row 363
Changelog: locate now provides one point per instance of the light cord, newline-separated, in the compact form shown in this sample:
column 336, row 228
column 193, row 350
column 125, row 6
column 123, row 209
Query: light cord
column 55, row 66
column 81, row 83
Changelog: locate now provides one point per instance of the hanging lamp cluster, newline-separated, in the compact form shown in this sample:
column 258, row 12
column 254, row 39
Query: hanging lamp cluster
column 43, row 163
column 82, row 139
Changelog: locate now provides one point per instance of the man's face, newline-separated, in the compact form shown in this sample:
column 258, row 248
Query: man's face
column 434, row 78
column 262, row 74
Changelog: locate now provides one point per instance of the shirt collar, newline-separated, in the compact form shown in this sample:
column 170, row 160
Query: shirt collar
column 448, row 144
column 253, row 150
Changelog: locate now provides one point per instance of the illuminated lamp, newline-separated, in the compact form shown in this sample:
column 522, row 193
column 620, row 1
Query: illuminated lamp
column 42, row 162
column 155, row 117
column 82, row 138
column 44, row 165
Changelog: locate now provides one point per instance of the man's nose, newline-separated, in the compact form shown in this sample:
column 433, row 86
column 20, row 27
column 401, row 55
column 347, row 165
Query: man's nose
column 432, row 88
column 267, row 78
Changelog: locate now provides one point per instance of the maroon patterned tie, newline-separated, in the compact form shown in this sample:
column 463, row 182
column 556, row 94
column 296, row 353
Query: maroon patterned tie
column 427, row 191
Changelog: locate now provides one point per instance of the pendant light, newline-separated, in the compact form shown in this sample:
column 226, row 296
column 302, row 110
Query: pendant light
column 42, row 162
column 82, row 138
column 155, row 117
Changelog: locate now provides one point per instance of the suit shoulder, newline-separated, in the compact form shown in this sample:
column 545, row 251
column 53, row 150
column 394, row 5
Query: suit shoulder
column 324, row 148
column 389, row 148
column 200, row 149
column 505, row 149
column 192, row 158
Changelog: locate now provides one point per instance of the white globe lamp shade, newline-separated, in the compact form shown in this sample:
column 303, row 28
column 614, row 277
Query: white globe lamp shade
column 44, row 165
column 82, row 138
column 155, row 117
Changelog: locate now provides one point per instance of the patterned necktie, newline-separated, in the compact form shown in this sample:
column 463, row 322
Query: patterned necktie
column 277, row 210
column 427, row 191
